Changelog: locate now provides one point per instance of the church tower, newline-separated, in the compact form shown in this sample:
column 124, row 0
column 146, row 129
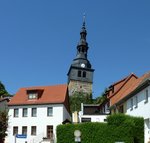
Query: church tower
column 80, row 74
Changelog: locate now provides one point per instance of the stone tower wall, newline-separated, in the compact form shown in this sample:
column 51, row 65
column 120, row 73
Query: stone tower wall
column 79, row 86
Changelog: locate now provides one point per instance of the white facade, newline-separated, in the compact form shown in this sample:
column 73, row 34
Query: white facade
column 41, row 121
column 139, row 105
column 92, row 118
column 94, row 115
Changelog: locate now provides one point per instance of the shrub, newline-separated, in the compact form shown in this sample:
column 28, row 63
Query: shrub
column 127, row 129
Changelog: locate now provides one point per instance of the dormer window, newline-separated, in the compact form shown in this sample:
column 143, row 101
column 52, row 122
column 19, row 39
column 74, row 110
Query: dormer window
column 34, row 94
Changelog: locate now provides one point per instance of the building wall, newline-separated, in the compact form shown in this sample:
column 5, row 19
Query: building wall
column 142, row 109
column 94, row 118
column 74, row 75
column 41, row 121
column 66, row 114
column 79, row 86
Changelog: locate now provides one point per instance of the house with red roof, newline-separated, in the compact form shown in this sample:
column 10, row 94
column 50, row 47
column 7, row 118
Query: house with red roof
column 114, row 91
column 35, row 112
column 135, row 101
column 131, row 96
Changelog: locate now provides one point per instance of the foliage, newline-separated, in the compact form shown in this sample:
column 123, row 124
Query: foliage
column 3, row 91
column 3, row 125
column 100, row 99
column 78, row 98
column 3, row 114
column 136, row 123
column 126, row 130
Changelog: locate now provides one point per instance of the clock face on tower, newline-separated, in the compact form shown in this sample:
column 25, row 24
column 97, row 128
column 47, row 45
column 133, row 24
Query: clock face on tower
column 83, row 65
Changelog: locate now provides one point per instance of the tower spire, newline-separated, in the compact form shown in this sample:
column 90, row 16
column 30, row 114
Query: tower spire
column 82, row 47
column 83, row 29
column 80, row 75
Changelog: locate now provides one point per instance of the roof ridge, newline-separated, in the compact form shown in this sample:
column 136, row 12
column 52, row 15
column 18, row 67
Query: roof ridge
column 42, row 86
column 124, row 78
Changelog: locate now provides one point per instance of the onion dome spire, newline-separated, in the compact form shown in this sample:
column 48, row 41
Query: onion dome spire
column 82, row 46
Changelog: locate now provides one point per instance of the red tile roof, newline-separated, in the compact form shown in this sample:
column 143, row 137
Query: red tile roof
column 124, row 82
column 122, row 94
column 51, row 94
column 119, row 85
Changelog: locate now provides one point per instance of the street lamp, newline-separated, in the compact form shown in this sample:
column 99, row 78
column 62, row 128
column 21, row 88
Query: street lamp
column 77, row 135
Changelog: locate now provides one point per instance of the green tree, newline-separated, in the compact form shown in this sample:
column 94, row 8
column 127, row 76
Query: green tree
column 3, row 115
column 3, row 91
column 100, row 99
column 78, row 98
column 3, row 125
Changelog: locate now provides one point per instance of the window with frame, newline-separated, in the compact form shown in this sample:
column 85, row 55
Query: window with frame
column 49, row 132
column 15, row 130
column 16, row 112
column 49, row 111
column 131, row 104
column 136, row 101
column 32, row 95
column 34, row 112
column 24, row 112
column 33, row 130
column 146, row 96
column 79, row 73
column 84, row 74
column 24, row 130
column 121, row 109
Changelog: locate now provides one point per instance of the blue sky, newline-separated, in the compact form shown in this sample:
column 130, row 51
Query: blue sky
column 38, row 40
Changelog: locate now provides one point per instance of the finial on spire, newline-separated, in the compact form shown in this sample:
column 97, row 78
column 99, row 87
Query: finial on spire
column 84, row 19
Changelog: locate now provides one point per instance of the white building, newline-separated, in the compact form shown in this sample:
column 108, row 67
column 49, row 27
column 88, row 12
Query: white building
column 92, row 113
column 35, row 112
column 134, row 100
column 139, row 105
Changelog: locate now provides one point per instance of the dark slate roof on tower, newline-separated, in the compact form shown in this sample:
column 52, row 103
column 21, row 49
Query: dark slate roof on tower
column 82, row 49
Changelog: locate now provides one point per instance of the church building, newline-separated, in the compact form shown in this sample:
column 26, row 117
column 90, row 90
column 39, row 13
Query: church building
column 80, row 74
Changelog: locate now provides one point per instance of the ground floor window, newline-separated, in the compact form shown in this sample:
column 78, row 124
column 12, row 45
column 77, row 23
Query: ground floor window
column 15, row 130
column 24, row 130
column 33, row 130
column 49, row 132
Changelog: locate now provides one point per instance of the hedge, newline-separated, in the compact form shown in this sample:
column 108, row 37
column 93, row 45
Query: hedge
column 136, row 123
column 119, row 128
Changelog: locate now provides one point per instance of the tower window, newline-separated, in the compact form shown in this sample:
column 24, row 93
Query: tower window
column 84, row 74
column 83, row 50
column 79, row 73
